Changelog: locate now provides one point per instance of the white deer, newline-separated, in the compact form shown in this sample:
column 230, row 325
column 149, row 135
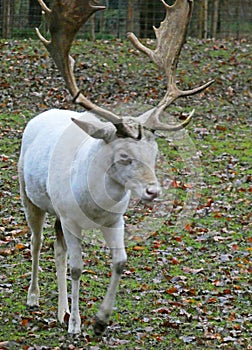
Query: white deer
column 82, row 170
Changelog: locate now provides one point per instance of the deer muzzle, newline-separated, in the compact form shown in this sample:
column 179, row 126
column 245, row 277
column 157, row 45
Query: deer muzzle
column 152, row 191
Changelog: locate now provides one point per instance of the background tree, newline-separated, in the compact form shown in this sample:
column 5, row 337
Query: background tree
column 7, row 15
column 215, row 17
column 202, row 19
column 130, row 16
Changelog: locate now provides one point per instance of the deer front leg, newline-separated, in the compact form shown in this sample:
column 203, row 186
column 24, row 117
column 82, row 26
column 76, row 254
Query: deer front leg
column 115, row 240
column 60, row 254
column 75, row 262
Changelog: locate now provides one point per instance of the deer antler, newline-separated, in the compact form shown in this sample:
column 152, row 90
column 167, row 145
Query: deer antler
column 65, row 19
column 170, row 39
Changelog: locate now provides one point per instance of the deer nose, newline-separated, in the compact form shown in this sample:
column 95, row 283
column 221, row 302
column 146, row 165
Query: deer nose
column 152, row 191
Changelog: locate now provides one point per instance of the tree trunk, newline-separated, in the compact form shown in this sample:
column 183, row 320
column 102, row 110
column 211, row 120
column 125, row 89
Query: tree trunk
column 202, row 25
column 215, row 20
column 205, row 19
column 199, row 20
column 7, row 7
column 238, row 16
column 130, row 19
column 92, row 27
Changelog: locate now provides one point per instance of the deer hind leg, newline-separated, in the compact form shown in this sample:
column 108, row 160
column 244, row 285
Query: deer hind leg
column 115, row 240
column 60, row 254
column 35, row 219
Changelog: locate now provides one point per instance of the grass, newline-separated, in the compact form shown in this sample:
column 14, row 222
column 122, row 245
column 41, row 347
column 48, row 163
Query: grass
column 187, row 282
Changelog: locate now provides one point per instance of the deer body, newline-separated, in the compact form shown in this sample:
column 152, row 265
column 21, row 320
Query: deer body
column 83, row 170
column 85, row 182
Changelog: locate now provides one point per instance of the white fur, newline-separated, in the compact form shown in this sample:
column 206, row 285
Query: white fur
column 86, row 183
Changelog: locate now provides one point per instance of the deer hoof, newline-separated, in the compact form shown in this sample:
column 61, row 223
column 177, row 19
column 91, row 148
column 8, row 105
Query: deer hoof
column 99, row 326
column 32, row 307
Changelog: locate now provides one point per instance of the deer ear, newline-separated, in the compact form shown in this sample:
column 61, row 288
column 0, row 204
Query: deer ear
column 98, row 130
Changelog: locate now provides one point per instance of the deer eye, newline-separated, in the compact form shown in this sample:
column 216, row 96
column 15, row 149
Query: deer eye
column 125, row 159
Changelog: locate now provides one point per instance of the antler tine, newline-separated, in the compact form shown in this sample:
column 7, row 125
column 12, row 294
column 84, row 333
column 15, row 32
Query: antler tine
column 65, row 19
column 170, row 39
column 44, row 6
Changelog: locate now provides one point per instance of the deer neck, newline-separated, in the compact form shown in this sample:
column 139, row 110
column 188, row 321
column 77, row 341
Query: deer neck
column 95, row 191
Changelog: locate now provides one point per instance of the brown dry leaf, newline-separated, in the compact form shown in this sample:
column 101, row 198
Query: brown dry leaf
column 137, row 248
